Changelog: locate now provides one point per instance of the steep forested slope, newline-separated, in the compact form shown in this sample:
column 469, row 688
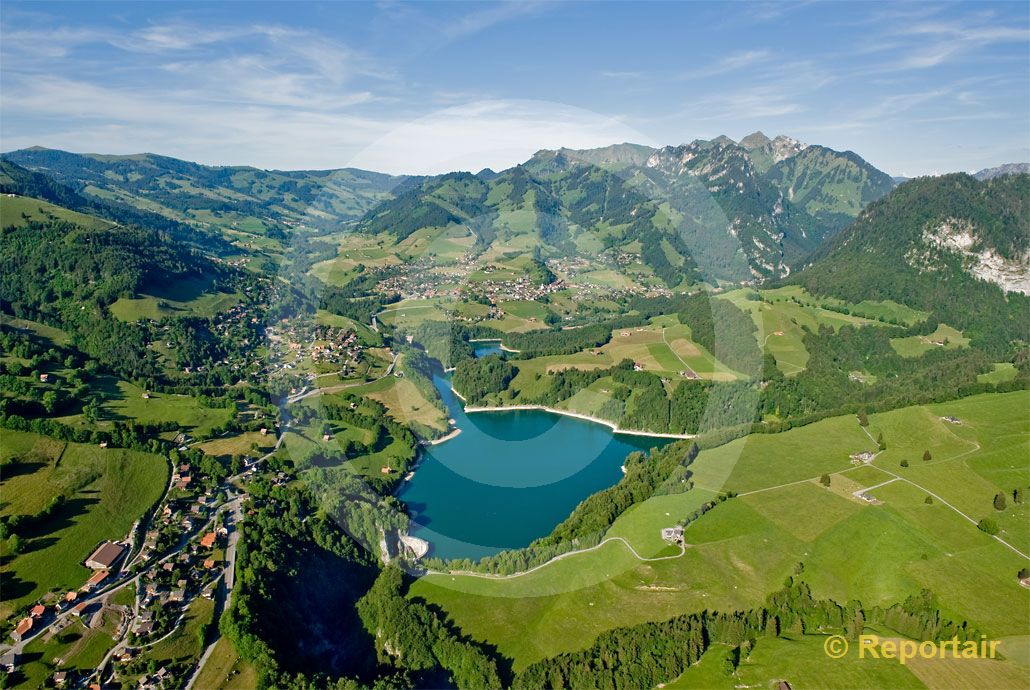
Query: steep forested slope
column 951, row 245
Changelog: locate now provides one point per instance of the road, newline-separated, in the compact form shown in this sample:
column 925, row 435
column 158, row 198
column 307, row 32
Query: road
column 228, row 577
column 491, row 576
column 343, row 386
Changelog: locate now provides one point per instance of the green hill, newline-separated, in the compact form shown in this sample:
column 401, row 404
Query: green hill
column 950, row 245
column 239, row 198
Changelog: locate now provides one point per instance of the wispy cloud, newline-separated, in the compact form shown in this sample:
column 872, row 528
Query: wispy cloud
column 482, row 19
column 730, row 63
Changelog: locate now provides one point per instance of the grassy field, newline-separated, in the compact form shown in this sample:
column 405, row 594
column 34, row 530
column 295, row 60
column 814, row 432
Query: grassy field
column 1003, row 372
column 185, row 643
column 744, row 548
column 126, row 401
column 917, row 345
column 240, row 444
column 801, row 662
column 405, row 402
column 782, row 321
column 663, row 347
column 226, row 671
column 77, row 648
column 188, row 296
column 18, row 210
column 106, row 489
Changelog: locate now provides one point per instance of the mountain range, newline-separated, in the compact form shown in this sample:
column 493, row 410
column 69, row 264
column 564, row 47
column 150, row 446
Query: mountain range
column 713, row 210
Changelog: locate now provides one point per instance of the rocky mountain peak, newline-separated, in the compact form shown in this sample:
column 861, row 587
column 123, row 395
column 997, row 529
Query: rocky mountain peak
column 755, row 140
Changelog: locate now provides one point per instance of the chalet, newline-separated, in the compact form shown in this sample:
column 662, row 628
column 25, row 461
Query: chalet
column 61, row 679
column 208, row 540
column 145, row 628
column 209, row 563
column 106, row 555
column 98, row 577
column 22, row 630
column 43, row 378
column 37, row 611
column 177, row 596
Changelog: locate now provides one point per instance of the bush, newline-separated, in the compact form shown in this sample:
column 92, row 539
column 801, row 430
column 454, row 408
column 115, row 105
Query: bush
column 989, row 526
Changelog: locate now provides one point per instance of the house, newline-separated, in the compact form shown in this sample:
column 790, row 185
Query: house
column 106, row 555
column 98, row 577
column 177, row 596
column 145, row 628
column 103, row 444
column 43, row 378
column 61, row 679
column 208, row 540
column 23, row 629
column 79, row 608
column 37, row 611
column 209, row 563
column 386, row 470
column 673, row 534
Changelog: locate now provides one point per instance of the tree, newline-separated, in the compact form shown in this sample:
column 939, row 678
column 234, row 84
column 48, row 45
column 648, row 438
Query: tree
column 1017, row 495
column 824, row 480
column 863, row 418
column 904, row 463
column 999, row 501
column 928, row 500
column 880, row 442
column 1023, row 573
column 989, row 526
column 926, row 456
column 49, row 401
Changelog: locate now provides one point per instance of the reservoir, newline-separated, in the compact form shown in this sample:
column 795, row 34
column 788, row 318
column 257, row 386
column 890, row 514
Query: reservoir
column 509, row 477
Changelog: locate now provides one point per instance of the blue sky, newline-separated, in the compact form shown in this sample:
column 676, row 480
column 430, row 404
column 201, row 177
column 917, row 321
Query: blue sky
column 914, row 88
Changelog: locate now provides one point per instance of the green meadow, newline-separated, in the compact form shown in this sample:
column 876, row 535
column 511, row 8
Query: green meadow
column 105, row 491
column 917, row 345
column 744, row 548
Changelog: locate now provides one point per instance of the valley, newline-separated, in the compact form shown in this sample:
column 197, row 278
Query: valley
column 506, row 421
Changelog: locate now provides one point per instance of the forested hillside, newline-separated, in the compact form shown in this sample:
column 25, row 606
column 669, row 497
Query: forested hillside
column 951, row 245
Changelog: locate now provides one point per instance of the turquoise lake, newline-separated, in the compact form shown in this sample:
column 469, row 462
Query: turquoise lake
column 509, row 477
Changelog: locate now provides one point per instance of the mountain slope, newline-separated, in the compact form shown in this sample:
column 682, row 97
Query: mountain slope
column 829, row 185
column 234, row 198
column 706, row 204
column 1005, row 169
column 952, row 245
column 15, row 179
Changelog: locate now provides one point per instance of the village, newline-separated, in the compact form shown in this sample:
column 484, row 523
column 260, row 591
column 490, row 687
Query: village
column 143, row 589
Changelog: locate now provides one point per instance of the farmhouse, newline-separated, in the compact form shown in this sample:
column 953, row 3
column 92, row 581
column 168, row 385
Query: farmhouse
column 98, row 577
column 22, row 630
column 673, row 534
column 106, row 555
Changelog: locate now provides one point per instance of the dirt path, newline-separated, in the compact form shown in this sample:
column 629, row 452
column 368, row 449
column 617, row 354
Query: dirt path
column 492, row 576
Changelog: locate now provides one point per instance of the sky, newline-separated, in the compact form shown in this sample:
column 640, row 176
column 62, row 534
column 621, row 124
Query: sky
column 429, row 87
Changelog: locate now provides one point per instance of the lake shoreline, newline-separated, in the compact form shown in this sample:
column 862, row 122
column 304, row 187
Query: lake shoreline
column 500, row 343
column 567, row 413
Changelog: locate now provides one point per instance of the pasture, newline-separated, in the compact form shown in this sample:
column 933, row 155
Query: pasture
column 745, row 547
column 105, row 491
column 917, row 345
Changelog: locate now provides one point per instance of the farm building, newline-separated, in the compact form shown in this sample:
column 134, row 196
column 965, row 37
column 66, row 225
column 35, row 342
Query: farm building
column 106, row 555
